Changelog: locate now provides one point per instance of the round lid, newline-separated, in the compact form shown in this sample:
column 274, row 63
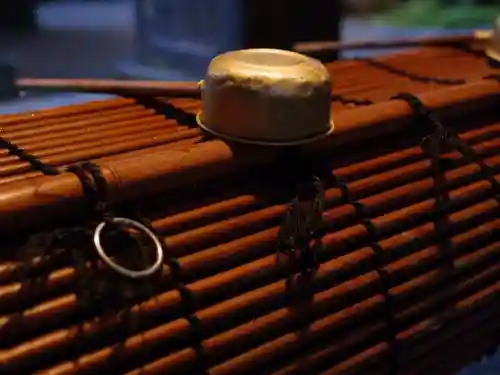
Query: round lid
column 266, row 96
column 271, row 68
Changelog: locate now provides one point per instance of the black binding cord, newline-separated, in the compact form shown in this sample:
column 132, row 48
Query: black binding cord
column 495, row 77
column 445, row 138
column 440, row 140
column 350, row 101
column 411, row 76
column 95, row 189
column 189, row 308
column 435, row 145
column 35, row 163
column 171, row 111
column 167, row 109
column 466, row 48
column 96, row 192
column 379, row 263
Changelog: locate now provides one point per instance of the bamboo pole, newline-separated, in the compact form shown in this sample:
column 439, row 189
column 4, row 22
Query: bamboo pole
column 432, row 41
column 110, row 86
column 326, row 48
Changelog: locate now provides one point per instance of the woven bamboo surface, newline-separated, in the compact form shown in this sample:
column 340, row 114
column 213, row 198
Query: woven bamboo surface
column 112, row 127
column 424, row 301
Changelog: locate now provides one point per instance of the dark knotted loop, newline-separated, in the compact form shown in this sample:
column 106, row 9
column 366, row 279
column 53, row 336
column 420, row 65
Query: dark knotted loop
column 95, row 188
column 302, row 226
column 444, row 139
column 101, row 189
column 59, row 238
column 317, row 208
column 74, row 239
column 438, row 141
column 433, row 145
column 88, row 186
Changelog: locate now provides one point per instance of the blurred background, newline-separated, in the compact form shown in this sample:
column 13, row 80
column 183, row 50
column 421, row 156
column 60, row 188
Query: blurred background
column 175, row 39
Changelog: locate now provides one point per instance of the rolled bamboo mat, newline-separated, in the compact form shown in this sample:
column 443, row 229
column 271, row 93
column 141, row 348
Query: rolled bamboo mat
column 242, row 309
column 234, row 213
column 186, row 242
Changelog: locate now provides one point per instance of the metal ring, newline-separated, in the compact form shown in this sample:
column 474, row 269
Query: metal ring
column 120, row 269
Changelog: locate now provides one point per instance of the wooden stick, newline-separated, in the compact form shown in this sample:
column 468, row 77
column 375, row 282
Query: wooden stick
column 434, row 41
column 111, row 86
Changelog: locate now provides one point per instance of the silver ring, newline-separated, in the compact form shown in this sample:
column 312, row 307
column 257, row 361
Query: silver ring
column 120, row 269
